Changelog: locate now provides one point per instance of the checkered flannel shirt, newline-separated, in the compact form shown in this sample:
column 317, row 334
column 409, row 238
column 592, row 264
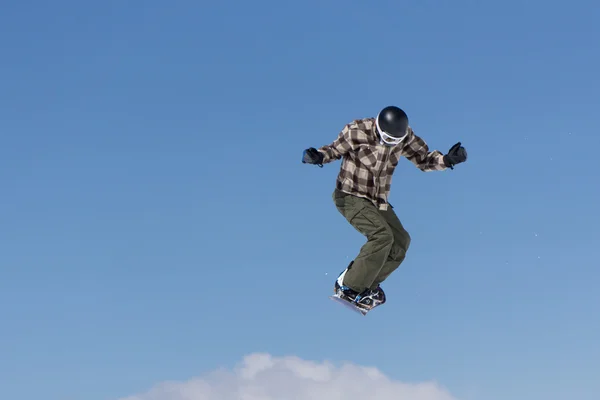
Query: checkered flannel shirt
column 368, row 165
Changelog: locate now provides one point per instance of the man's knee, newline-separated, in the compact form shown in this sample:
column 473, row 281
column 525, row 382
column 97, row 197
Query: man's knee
column 382, row 238
column 407, row 240
column 400, row 246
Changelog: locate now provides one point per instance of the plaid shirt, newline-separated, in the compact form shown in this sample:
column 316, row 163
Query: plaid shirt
column 368, row 165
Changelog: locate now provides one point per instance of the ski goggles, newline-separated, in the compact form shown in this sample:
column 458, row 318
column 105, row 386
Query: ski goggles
column 389, row 139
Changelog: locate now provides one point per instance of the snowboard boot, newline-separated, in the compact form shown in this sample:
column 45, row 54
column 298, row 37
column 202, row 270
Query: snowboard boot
column 342, row 291
column 367, row 299
column 371, row 298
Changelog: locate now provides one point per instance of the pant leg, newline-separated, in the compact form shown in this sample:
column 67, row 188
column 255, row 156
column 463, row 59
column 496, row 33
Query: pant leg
column 366, row 219
column 399, row 248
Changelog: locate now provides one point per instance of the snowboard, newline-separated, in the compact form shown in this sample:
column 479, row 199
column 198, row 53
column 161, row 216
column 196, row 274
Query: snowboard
column 349, row 305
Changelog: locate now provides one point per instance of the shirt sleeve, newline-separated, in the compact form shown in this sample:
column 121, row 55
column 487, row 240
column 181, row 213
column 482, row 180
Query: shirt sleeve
column 340, row 146
column 417, row 152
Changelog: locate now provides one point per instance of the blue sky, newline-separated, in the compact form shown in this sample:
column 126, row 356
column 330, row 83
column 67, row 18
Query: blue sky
column 157, row 222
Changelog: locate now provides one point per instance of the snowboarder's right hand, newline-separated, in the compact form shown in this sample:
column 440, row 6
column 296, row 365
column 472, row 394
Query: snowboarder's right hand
column 312, row 156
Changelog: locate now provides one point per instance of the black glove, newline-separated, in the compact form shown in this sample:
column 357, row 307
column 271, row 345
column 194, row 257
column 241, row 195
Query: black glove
column 312, row 156
column 456, row 155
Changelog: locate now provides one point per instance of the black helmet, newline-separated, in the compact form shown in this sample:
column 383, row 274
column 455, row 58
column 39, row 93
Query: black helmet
column 392, row 125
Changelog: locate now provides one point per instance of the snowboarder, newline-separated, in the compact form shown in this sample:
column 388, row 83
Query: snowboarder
column 371, row 149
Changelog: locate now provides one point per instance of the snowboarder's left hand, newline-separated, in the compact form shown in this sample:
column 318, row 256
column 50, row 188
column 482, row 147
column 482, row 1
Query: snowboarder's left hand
column 456, row 155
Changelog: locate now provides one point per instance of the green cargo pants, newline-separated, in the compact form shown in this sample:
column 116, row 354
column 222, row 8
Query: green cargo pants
column 386, row 246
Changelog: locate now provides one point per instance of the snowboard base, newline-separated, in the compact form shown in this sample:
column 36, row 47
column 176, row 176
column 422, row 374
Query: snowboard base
column 349, row 305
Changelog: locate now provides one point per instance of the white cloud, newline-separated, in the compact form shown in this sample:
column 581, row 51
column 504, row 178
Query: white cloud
column 264, row 377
